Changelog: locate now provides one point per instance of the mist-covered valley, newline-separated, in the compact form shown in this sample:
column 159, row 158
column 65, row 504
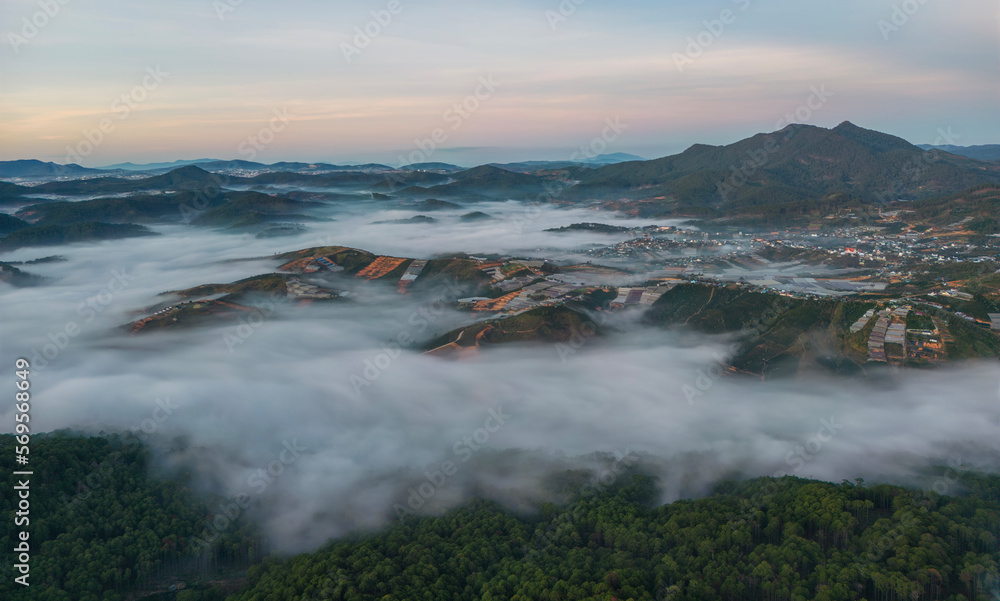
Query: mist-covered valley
column 331, row 419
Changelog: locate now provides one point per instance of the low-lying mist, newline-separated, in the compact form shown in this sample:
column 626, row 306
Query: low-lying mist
column 327, row 425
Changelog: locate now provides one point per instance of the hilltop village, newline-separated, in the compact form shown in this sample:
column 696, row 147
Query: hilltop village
column 882, row 297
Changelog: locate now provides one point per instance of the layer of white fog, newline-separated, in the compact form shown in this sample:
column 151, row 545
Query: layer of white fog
column 363, row 450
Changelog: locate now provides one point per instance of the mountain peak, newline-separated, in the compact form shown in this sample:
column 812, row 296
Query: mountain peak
column 483, row 171
column 36, row 168
column 186, row 176
column 187, row 173
column 189, row 170
column 847, row 125
column 875, row 141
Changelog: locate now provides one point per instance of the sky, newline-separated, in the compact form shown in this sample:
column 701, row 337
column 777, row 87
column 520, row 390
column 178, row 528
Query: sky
column 98, row 83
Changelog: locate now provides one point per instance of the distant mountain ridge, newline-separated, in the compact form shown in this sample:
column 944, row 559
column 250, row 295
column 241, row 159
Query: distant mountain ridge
column 796, row 164
column 129, row 166
column 36, row 168
column 791, row 171
column 983, row 152
column 593, row 162
column 483, row 182
column 31, row 168
column 26, row 168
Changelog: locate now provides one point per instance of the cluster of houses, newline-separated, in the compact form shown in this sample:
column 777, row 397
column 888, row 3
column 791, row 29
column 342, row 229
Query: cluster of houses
column 211, row 303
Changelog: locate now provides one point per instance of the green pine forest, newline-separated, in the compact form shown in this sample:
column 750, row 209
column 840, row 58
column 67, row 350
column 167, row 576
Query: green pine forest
column 107, row 525
column 102, row 528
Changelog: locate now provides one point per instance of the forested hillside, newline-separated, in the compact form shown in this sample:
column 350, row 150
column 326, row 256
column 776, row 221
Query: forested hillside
column 102, row 528
column 770, row 539
column 778, row 177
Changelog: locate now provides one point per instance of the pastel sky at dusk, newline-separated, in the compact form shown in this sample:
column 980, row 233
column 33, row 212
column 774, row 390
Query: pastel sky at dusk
column 559, row 80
